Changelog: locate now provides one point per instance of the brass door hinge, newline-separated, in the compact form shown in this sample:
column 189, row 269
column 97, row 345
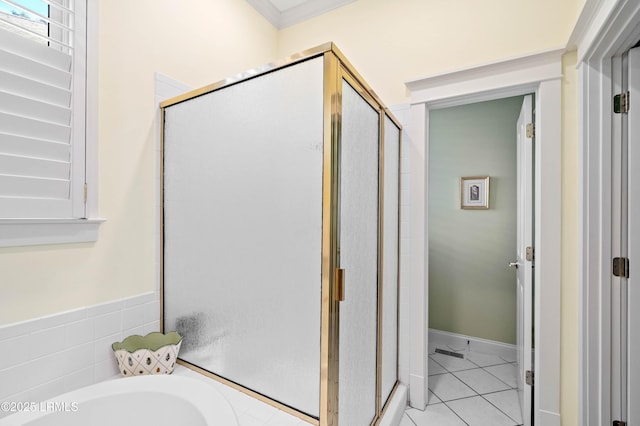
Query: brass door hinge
column 529, row 253
column 621, row 267
column 531, row 130
column 621, row 103
column 528, row 377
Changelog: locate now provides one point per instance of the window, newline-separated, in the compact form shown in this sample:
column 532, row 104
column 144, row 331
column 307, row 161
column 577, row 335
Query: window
column 43, row 120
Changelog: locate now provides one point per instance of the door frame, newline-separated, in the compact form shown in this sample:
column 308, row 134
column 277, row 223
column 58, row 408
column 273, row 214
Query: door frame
column 604, row 29
column 540, row 74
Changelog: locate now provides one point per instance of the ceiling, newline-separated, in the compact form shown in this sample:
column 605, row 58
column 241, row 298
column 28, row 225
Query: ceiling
column 284, row 13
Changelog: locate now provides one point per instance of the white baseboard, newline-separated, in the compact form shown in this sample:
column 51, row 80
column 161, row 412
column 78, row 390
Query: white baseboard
column 459, row 342
column 395, row 409
column 549, row 418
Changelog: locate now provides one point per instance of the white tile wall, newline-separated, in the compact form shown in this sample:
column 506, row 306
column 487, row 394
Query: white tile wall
column 48, row 356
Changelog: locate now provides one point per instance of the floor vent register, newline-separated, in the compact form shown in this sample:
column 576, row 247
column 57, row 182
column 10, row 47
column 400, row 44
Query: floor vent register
column 450, row 353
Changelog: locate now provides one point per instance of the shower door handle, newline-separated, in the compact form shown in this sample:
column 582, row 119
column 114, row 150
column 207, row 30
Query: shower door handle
column 339, row 283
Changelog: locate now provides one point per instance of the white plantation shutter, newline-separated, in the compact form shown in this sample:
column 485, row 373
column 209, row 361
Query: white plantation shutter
column 42, row 111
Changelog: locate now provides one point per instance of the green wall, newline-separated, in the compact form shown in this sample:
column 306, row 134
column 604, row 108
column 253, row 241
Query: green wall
column 472, row 291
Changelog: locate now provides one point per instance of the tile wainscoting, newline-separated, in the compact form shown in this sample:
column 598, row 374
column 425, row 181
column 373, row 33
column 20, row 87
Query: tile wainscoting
column 47, row 356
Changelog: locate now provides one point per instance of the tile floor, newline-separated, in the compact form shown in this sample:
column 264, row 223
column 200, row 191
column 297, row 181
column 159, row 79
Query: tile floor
column 479, row 390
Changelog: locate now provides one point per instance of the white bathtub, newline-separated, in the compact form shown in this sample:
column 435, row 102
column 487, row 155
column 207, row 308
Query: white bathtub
column 141, row 401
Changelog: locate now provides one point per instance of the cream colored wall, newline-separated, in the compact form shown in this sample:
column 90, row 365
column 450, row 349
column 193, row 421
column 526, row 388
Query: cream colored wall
column 570, row 213
column 194, row 41
column 390, row 42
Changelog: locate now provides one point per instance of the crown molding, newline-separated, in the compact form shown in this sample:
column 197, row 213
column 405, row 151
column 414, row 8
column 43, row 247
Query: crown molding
column 307, row 10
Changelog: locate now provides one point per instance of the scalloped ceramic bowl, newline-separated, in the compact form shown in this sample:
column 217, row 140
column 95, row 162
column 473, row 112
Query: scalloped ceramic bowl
column 155, row 353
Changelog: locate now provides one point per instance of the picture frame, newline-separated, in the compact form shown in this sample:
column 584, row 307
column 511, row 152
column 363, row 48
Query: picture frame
column 474, row 192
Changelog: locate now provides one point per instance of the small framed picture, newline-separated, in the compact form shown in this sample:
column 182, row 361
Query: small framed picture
column 474, row 192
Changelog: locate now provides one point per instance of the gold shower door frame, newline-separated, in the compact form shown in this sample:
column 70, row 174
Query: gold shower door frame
column 336, row 69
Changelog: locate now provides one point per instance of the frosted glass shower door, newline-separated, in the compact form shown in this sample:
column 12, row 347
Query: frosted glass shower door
column 243, row 232
column 391, row 197
column 358, row 248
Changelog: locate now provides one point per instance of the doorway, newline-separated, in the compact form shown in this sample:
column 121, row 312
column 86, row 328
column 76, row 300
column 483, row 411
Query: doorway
column 480, row 293
column 539, row 74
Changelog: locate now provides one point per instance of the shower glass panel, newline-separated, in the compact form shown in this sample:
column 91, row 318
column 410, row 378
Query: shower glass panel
column 358, row 254
column 280, row 196
column 243, row 232
column 390, row 257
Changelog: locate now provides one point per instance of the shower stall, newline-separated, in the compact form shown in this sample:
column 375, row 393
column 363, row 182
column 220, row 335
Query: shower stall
column 280, row 236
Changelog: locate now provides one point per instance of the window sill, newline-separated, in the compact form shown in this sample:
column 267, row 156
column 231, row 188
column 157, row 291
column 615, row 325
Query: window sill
column 31, row 232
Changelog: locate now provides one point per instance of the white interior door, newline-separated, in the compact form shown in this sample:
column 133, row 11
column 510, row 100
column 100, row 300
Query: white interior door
column 633, row 291
column 524, row 262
